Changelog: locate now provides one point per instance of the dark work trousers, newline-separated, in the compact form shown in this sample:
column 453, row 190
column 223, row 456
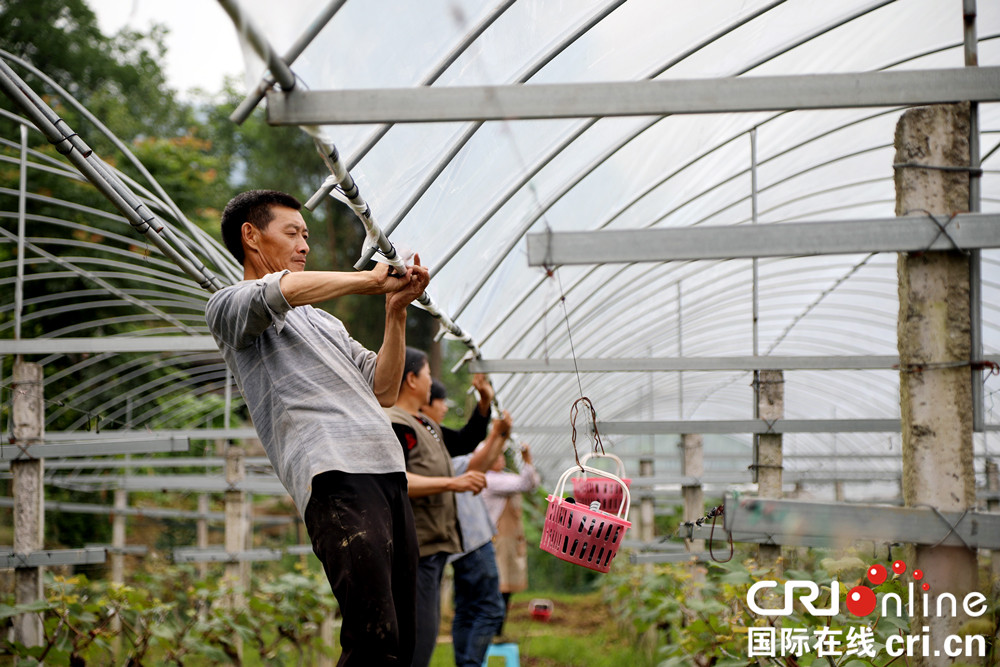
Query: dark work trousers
column 429, row 574
column 479, row 608
column 361, row 527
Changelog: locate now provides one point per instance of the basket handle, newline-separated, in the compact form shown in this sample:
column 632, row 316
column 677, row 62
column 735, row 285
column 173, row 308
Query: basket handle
column 622, row 511
column 620, row 472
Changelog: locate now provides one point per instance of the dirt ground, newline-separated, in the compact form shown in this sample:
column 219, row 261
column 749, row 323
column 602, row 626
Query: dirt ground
column 579, row 617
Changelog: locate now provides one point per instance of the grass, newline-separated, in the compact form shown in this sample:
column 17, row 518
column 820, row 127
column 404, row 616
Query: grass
column 580, row 633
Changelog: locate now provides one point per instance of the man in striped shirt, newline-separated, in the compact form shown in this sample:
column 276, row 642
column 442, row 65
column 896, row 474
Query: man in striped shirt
column 315, row 396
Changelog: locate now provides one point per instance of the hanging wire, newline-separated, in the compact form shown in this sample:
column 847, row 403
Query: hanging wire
column 575, row 408
column 569, row 333
column 573, row 411
column 712, row 514
column 711, row 540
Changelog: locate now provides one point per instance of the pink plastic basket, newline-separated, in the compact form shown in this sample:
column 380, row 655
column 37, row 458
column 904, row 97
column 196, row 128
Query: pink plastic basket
column 606, row 491
column 577, row 534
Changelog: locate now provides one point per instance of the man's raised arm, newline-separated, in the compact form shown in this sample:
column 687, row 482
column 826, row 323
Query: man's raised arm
column 308, row 287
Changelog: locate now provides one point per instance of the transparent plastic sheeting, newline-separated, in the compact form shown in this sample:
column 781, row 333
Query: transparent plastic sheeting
column 466, row 194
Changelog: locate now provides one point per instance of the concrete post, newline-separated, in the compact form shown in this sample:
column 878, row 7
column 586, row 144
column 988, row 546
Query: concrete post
column 303, row 558
column 934, row 332
column 326, row 635
column 693, row 465
column 246, row 566
column 201, row 529
column 118, row 537
column 770, row 406
column 118, row 560
column 29, row 495
column 647, row 519
column 993, row 505
column 235, row 530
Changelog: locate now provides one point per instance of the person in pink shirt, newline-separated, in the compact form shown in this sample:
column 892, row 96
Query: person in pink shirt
column 502, row 496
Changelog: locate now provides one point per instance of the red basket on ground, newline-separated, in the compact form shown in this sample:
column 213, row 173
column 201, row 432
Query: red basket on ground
column 575, row 533
column 606, row 491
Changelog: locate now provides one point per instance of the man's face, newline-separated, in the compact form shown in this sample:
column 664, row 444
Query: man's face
column 282, row 244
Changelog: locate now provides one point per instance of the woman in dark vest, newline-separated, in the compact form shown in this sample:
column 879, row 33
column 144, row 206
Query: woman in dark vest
column 432, row 487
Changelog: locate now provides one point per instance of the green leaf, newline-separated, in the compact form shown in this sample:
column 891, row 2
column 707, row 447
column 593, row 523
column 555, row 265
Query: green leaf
column 896, row 622
column 6, row 611
column 738, row 577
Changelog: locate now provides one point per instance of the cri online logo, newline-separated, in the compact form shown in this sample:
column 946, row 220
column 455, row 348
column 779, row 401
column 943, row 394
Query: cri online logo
column 861, row 600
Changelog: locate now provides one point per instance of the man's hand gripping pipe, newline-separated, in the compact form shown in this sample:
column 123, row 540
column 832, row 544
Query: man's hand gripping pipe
column 341, row 186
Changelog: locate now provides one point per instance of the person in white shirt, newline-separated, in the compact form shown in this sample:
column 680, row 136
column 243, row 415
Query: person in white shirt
column 502, row 497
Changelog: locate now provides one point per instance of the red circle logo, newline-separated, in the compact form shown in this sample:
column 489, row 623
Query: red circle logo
column 877, row 574
column 861, row 601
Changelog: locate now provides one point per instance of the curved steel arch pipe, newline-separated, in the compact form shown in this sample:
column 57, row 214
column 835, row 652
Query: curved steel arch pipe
column 211, row 247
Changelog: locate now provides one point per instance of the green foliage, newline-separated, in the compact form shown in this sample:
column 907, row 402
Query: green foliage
column 456, row 384
column 191, row 170
column 118, row 78
column 701, row 617
column 170, row 617
column 63, row 35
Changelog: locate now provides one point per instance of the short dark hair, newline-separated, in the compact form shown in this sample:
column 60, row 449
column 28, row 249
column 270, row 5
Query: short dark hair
column 438, row 390
column 415, row 360
column 253, row 206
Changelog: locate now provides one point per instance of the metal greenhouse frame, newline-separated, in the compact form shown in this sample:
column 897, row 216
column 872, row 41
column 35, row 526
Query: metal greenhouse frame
column 669, row 210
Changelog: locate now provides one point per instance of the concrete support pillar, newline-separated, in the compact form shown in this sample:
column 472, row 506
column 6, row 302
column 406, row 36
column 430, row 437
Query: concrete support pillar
column 768, row 459
column 235, row 531
column 933, row 334
column 118, row 560
column 647, row 518
column 303, row 558
column 693, row 465
column 201, row 529
column 993, row 505
column 326, row 632
column 118, row 537
column 29, row 495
